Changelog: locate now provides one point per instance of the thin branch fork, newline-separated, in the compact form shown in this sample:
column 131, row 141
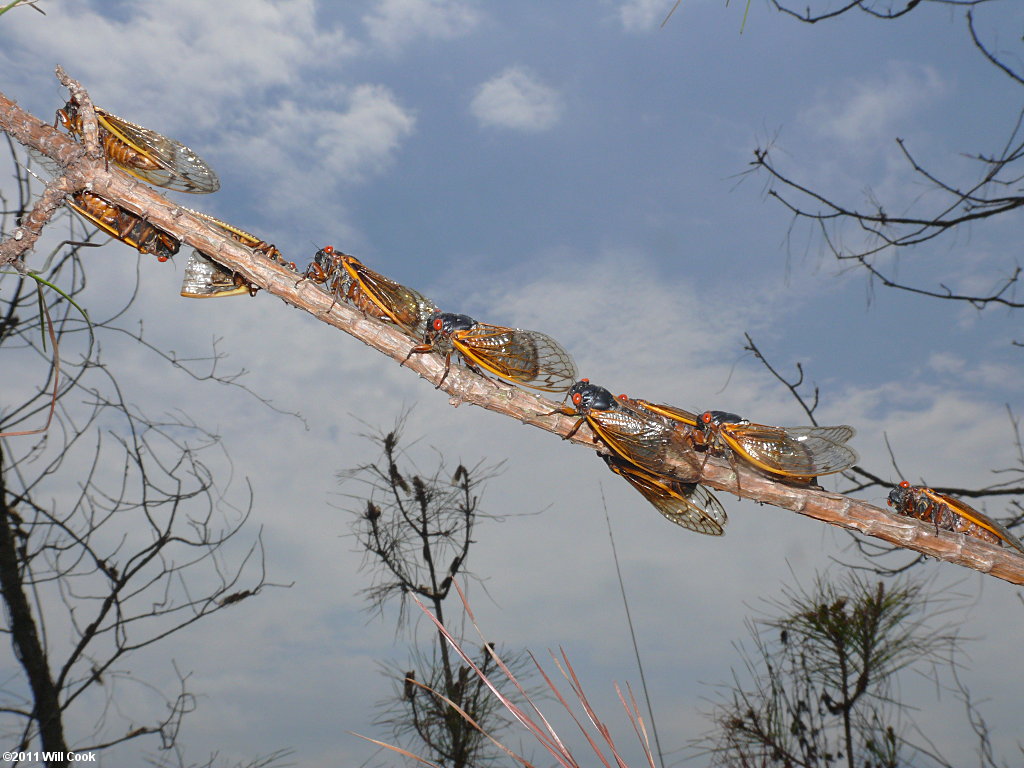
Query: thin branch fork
column 464, row 386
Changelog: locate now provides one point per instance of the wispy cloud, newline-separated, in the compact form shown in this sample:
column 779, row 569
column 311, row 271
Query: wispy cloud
column 393, row 24
column 643, row 15
column 871, row 108
column 348, row 137
column 517, row 99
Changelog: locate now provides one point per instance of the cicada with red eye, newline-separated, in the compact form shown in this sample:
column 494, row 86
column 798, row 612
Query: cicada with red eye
column 634, row 434
column 527, row 358
column 145, row 154
column 949, row 514
column 324, row 268
column 124, row 225
column 349, row 280
column 794, row 453
column 687, row 504
column 376, row 294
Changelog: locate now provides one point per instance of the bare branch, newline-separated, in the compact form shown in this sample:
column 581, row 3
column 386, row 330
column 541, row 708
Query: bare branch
column 464, row 386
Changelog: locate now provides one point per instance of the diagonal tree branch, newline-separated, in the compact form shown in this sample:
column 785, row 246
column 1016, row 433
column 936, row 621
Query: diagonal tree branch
column 464, row 386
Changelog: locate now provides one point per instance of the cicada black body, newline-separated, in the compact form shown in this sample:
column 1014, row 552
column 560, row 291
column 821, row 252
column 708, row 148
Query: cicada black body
column 527, row 358
column 640, row 437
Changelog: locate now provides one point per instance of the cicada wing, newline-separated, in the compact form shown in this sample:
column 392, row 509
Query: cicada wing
column 248, row 239
column 670, row 412
column 792, row 451
column 973, row 516
column 529, row 358
column 205, row 279
column 640, row 437
column 686, row 504
column 407, row 308
column 179, row 169
column 245, row 238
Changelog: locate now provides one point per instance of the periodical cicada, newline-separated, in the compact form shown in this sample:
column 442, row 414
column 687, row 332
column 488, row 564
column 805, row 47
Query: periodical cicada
column 634, row 434
column 205, row 278
column 949, row 514
column 124, row 225
column 687, row 504
column 528, row 358
column 351, row 281
column 796, row 453
column 145, row 154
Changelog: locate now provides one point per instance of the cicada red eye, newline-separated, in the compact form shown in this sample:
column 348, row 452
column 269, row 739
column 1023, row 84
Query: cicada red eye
column 161, row 258
column 706, row 417
column 438, row 324
column 577, row 398
column 904, row 484
column 585, row 381
column 329, row 250
column 623, row 397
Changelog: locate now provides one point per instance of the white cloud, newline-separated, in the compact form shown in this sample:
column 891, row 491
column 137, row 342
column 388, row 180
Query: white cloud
column 872, row 108
column 644, row 15
column 365, row 137
column 302, row 148
column 187, row 62
column 518, row 100
column 393, row 24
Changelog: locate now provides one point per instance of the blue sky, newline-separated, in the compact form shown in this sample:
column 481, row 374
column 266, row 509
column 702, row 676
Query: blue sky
column 574, row 168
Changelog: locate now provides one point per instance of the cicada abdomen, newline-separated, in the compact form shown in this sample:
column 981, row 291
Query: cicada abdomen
column 125, row 225
column 949, row 514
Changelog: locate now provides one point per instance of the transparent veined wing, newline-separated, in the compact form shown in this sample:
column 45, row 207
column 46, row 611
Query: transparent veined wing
column 670, row 412
column 381, row 296
column 689, row 505
column 205, row 279
column 793, row 451
column 528, row 358
column 635, row 434
column 146, row 154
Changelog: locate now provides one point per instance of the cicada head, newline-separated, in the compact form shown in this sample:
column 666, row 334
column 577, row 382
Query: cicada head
column 711, row 419
column 444, row 324
column 898, row 495
column 67, row 117
column 586, row 397
column 327, row 257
